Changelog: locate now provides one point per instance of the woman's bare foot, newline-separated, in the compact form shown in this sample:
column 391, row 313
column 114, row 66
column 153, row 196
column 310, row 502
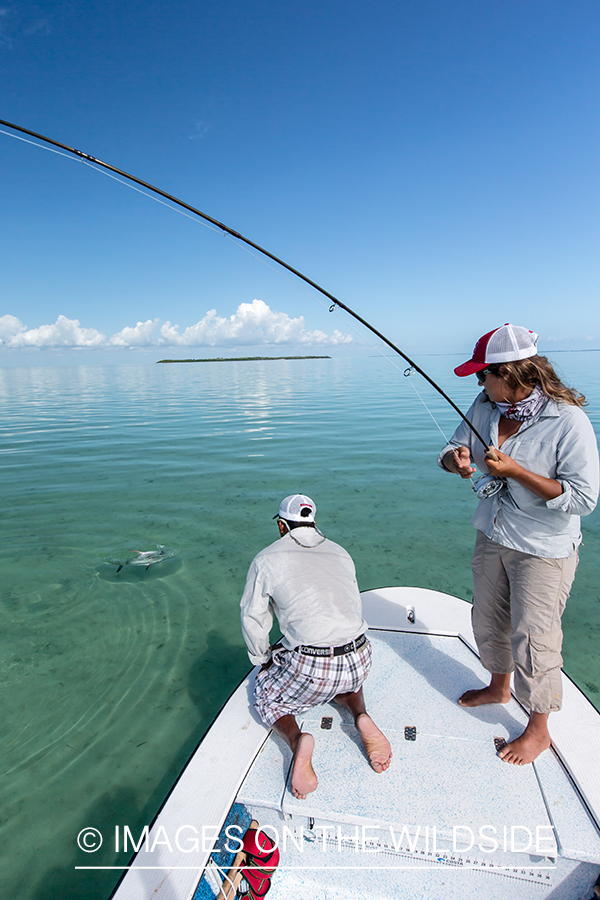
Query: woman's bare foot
column 534, row 740
column 484, row 695
column 497, row 691
column 375, row 743
column 304, row 780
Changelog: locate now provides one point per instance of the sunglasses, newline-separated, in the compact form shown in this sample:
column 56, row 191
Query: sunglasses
column 482, row 375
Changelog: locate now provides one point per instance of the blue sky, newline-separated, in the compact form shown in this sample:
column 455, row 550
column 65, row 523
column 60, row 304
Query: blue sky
column 433, row 164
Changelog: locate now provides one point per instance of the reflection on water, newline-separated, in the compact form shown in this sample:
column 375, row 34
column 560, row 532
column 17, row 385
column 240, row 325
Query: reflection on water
column 110, row 678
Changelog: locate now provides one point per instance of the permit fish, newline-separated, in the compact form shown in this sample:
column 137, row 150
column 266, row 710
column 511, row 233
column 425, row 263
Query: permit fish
column 147, row 558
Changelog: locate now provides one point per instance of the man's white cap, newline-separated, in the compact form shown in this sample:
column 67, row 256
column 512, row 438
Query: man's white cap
column 297, row 508
column 505, row 344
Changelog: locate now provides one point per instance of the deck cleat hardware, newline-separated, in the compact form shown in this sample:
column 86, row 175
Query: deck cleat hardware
column 326, row 723
column 410, row 733
column 499, row 743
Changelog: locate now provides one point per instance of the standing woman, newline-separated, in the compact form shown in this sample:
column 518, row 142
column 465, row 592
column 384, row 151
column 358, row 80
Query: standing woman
column 528, row 533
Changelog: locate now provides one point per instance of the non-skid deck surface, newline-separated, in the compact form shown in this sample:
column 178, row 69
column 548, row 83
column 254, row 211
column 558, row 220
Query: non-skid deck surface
column 449, row 778
column 413, row 882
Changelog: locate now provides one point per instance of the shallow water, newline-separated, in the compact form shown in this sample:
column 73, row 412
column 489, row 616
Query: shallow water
column 109, row 679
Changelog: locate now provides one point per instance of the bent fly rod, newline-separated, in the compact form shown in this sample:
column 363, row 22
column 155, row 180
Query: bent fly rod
column 240, row 237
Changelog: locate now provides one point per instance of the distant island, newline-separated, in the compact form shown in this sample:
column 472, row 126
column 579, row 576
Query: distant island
column 238, row 358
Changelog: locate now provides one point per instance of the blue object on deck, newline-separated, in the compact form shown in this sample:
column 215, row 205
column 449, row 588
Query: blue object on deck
column 238, row 817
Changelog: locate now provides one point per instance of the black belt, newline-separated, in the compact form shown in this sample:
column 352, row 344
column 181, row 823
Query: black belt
column 333, row 651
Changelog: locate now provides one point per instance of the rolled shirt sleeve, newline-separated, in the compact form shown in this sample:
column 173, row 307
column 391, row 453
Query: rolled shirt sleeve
column 479, row 415
column 563, row 501
column 577, row 470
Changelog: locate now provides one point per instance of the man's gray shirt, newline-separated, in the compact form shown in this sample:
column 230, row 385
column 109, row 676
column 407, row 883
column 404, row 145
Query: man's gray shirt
column 311, row 587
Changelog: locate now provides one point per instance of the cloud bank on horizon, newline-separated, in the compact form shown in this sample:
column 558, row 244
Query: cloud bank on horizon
column 251, row 324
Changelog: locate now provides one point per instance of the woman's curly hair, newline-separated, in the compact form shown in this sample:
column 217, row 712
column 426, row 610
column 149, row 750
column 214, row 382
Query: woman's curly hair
column 537, row 370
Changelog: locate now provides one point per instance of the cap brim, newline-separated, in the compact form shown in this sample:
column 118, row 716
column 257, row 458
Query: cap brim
column 469, row 368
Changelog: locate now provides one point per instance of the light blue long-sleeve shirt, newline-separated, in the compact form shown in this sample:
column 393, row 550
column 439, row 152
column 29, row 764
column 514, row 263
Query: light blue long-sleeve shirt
column 559, row 442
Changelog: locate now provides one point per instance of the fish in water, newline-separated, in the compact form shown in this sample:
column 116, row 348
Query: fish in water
column 147, row 558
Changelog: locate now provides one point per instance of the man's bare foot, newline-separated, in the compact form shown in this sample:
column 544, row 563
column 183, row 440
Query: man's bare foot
column 304, row 780
column 484, row 695
column 526, row 748
column 375, row 743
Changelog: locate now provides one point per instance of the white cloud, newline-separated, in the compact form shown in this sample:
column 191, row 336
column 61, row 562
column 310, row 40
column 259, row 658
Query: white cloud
column 64, row 333
column 9, row 327
column 250, row 325
column 139, row 336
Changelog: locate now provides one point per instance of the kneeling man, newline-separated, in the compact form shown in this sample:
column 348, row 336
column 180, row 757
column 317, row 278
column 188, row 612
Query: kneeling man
column 310, row 584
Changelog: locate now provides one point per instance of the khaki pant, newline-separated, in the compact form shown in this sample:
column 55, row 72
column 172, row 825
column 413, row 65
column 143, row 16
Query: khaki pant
column 518, row 601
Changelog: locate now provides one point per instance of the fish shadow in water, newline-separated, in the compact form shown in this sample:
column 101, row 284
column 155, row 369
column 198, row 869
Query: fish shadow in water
column 136, row 574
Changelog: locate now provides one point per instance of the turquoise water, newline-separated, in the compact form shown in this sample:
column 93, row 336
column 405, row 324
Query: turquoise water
column 110, row 679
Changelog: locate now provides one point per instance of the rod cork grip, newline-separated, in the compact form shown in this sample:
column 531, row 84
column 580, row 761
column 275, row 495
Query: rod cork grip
column 491, row 454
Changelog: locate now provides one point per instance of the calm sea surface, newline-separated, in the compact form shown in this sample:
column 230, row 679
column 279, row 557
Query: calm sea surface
column 109, row 679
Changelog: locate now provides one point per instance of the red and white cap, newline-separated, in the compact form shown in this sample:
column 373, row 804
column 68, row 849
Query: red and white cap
column 505, row 344
column 297, row 508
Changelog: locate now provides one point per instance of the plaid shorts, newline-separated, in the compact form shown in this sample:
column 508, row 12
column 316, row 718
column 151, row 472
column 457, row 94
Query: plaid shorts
column 294, row 682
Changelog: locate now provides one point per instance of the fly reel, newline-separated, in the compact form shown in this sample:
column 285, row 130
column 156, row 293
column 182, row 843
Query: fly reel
column 488, row 485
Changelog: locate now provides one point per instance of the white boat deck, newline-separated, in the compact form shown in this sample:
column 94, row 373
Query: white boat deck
column 449, row 782
column 404, row 833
